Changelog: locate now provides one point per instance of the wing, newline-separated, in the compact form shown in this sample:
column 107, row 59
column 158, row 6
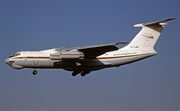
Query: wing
column 96, row 50
column 87, row 52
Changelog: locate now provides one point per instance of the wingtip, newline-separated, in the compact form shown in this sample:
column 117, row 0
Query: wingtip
column 170, row 19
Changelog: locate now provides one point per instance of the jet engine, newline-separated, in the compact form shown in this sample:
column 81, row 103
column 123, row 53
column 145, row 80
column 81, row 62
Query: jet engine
column 67, row 55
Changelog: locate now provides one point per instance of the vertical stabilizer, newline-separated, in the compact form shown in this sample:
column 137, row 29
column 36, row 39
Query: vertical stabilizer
column 148, row 35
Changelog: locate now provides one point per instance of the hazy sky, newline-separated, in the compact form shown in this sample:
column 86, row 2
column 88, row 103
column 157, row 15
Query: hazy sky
column 152, row 84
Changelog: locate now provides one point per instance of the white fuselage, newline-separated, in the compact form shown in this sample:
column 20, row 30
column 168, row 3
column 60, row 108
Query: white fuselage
column 41, row 59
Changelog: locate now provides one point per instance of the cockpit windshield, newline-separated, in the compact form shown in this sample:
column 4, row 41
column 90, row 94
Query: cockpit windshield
column 16, row 54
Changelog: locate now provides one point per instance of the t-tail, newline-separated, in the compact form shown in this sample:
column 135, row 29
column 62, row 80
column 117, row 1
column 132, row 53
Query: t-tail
column 146, row 39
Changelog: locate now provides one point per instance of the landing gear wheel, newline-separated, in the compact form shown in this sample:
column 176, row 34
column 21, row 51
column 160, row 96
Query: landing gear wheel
column 74, row 74
column 83, row 74
column 35, row 72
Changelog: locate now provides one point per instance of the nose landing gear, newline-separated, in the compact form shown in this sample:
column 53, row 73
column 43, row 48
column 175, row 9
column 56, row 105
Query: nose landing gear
column 35, row 72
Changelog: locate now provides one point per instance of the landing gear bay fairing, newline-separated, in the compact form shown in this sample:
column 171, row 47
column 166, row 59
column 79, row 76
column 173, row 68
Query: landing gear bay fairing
column 83, row 60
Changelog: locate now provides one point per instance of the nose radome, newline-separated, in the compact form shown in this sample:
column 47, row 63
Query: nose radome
column 6, row 60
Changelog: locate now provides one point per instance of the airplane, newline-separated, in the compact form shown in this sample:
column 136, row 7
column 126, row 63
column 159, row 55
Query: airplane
column 83, row 60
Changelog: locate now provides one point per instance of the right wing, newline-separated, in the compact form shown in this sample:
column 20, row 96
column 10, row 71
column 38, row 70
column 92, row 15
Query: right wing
column 96, row 50
column 87, row 52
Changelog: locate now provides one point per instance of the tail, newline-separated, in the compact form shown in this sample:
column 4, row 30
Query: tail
column 148, row 36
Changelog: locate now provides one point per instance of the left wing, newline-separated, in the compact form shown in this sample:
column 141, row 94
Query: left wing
column 96, row 50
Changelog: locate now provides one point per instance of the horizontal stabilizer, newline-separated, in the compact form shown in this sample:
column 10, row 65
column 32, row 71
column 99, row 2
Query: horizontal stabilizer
column 160, row 22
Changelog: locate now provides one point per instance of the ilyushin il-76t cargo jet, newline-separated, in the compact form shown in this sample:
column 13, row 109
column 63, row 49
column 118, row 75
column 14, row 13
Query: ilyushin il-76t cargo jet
column 83, row 60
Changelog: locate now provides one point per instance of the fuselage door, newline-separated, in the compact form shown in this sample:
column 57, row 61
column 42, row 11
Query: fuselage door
column 35, row 61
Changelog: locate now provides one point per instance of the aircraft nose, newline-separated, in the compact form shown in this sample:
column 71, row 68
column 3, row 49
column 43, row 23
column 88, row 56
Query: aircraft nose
column 6, row 60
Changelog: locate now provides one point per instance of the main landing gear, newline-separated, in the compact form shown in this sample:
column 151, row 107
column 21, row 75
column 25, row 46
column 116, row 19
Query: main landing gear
column 35, row 72
column 75, row 73
column 83, row 73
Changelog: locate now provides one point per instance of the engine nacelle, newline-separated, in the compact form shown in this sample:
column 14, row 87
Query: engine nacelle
column 67, row 55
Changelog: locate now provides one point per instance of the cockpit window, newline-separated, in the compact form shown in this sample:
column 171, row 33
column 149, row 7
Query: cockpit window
column 16, row 54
